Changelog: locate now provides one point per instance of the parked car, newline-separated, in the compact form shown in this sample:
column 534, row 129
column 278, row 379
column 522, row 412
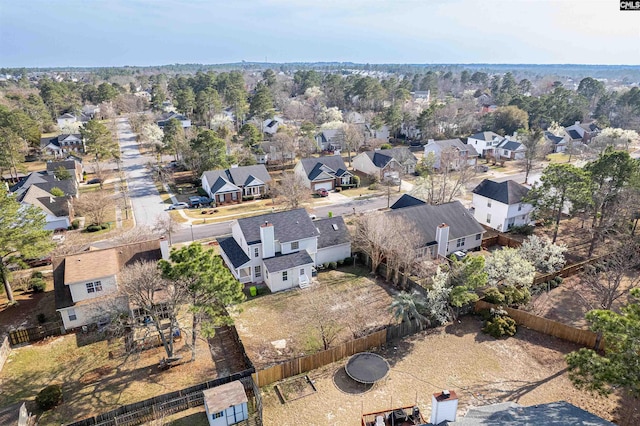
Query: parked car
column 482, row 168
column 322, row 192
column 197, row 201
column 58, row 238
column 177, row 206
column 94, row 181
column 42, row 261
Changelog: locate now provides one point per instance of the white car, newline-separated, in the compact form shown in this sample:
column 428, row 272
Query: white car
column 177, row 206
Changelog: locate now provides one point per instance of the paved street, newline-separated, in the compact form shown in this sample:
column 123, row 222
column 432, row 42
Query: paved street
column 145, row 199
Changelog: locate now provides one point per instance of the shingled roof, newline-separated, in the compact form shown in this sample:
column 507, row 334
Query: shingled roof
column 324, row 167
column 290, row 225
column 333, row 232
column 507, row 192
column 283, row 262
column 406, row 201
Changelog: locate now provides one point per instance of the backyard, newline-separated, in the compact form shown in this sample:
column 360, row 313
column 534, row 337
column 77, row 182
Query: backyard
column 348, row 302
column 95, row 376
column 528, row 369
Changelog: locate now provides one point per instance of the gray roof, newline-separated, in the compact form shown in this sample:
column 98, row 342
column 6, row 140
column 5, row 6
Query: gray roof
column 508, row 192
column 573, row 134
column 233, row 251
column 57, row 139
column 282, row 262
column 455, row 143
column 313, row 167
column 290, row 225
column 44, row 181
column 559, row 413
column 484, row 136
column 329, row 235
column 425, row 218
column 381, row 158
column 238, row 176
column 406, row 201
column 52, row 166
column 553, row 138
column 509, row 145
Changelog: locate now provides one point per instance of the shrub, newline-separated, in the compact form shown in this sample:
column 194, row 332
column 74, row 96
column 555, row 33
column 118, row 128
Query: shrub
column 333, row 265
column 348, row 260
column 201, row 192
column 373, row 187
column 37, row 285
column 558, row 280
column 356, row 181
column 501, row 325
column 338, row 189
column 325, row 265
column 75, row 224
column 104, row 226
column 514, row 296
column 493, row 295
column 522, row 230
column 57, row 192
column 42, row 318
column 340, row 262
column 93, row 228
column 386, row 146
column 49, row 397
column 37, row 274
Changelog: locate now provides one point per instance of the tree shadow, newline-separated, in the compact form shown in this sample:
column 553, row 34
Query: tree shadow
column 347, row 385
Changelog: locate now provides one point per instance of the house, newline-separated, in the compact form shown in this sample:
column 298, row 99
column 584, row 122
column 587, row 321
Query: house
column 441, row 229
column 45, row 181
column 407, row 201
column 511, row 149
column 423, row 96
column 237, row 183
column 557, row 143
column 271, row 153
column 452, row 152
column 90, row 111
column 270, row 126
column 165, row 118
column 281, row 249
column 65, row 120
column 86, row 283
column 383, row 133
column 484, row 142
column 226, row 404
column 499, row 205
column 386, row 163
column 58, row 210
column 326, row 172
column 70, row 165
column 582, row 132
column 60, row 145
column 330, row 139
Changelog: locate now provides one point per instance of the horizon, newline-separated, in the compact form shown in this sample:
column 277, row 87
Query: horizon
column 99, row 34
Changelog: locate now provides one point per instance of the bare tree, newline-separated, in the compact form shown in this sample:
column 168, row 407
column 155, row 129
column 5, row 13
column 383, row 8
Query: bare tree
column 95, row 206
column 156, row 302
column 400, row 248
column 322, row 318
column 533, row 143
column 372, row 237
column 286, row 144
column 353, row 138
column 615, row 275
column 166, row 225
column 444, row 184
column 292, row 189
column 135, row 235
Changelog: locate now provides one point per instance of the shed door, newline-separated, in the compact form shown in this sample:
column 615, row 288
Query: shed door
column 323, row 185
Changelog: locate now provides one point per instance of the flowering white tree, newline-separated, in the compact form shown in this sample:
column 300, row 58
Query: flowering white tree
column 618, row 138
column 507, row 267
column 543, row 254
column 438, row 298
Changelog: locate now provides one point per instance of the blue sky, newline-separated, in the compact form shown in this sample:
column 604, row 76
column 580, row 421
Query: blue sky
column 144, row 32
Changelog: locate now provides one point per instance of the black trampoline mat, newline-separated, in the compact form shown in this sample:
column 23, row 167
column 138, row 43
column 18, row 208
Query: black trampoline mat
column 367, row 367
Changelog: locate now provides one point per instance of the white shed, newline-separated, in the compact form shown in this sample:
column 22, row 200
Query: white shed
column 226, row 404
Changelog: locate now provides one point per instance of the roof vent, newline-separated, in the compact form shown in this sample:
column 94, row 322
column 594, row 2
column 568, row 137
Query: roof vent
column 335, row 226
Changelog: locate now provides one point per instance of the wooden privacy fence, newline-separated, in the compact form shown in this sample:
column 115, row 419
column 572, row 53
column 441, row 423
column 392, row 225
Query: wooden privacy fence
column 500, row 240
column 567, row 271
column 296, row 366
column 163, row 405
column 33, row 334
column 5, row 350
column 580, row 336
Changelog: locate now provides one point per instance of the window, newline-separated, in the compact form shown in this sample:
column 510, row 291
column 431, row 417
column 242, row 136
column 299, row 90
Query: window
column 460, row 242
column 295, row 245
column 489, row 203
column 72, row 314
column 478, row 236
column 285, row 276
column 519, row 206
column 221, row 198
column 257, row 272
column 488, row 217
column 94, row 287
column 234, row 196
column 256, row 252
column 217, row 415
column 266, row 274
column 302, row 272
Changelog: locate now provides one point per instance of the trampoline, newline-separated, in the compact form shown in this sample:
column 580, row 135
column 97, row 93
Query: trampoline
column 367, row 367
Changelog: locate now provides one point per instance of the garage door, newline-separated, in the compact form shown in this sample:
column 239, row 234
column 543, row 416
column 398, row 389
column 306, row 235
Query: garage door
column 323, row 185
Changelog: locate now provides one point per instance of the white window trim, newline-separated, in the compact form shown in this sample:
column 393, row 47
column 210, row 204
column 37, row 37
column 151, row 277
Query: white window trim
column 285, row 275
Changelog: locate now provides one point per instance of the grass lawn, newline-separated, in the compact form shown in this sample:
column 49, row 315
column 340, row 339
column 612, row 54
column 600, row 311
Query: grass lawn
column 92, row 382
column 348, row 299
column 361, row 191
column 528, row 369
column 245, row 207
column 558, row 157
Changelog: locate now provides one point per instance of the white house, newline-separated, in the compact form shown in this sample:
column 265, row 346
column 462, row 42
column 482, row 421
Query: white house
column 441, row 229
column 323, row 172
column 65, row 120
column 452, row 152
column 281, row 249
column 165, row 118
column 582, row 132
column 386, row 163
column 58, row 210
column 557, row 143
column 226, row 404
column 270, row 126
column 511, row 149
column 330, row 139
column 86, row 284
column 61, row 144
column 484, row 142
column 499, row 204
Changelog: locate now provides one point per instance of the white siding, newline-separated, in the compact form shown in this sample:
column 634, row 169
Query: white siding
column 497, row 210
column 299, row 170
column 275, row 282
column 89, row 313
column 79, row 290
column 308, row 244
column 470, row 242
column 363, row 163
column 333, row 254
column 54, row 222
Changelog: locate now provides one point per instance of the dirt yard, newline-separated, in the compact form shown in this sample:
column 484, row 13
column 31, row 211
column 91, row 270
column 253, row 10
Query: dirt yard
column 279, row 326
column 528, row 369
column 93, row 382
column 30, row 304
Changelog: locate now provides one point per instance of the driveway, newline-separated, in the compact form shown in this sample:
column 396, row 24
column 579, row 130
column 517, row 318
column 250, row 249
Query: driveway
column 145, row 198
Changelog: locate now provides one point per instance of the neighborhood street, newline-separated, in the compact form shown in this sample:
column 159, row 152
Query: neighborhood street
column 145, row 199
